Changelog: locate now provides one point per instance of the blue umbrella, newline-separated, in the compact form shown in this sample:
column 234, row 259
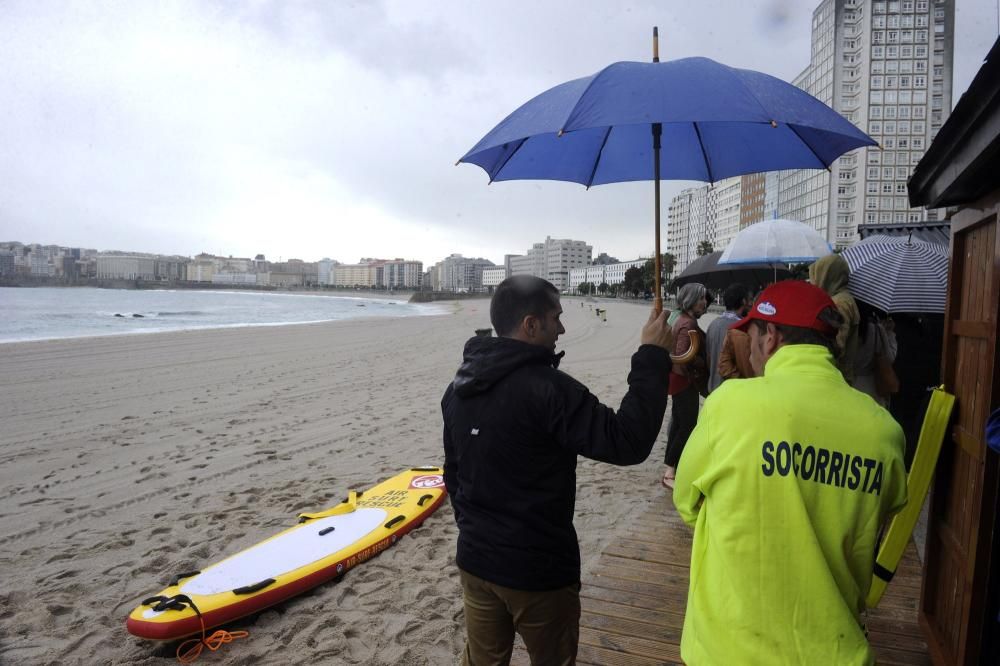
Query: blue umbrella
column 712, row 122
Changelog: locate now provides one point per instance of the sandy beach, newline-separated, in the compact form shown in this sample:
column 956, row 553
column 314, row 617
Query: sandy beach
column 127, row 460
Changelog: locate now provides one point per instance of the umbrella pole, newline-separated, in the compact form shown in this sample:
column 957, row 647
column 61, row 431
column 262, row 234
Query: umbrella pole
column 657, row 132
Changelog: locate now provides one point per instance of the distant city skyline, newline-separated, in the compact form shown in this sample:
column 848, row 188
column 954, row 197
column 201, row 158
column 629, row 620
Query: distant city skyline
column 328, row 129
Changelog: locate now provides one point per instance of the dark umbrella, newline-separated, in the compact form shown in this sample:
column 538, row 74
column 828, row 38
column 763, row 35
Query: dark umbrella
column 712, row 122
column 708, row 271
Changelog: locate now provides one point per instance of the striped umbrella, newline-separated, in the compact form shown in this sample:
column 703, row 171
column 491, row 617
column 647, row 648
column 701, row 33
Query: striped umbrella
column 898, row 274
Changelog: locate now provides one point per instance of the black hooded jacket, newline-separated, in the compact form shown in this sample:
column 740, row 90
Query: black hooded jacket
column 513, row 427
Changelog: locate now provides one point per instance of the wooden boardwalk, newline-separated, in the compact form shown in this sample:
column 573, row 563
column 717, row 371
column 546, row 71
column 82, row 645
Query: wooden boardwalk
column 634, row 599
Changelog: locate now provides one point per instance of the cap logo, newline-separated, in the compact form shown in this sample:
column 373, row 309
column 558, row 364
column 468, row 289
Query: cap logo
column 766, row 309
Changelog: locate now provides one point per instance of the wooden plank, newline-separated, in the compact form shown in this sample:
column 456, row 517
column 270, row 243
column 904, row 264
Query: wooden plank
column 669, row 619
column 641, row 647
column 640, row 601
column 971, row 329
column 592, row 654
column 616, row 625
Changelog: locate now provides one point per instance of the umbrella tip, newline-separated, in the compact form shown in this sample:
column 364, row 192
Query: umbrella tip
column 458, row 162
column 560, row 133
column 774, row 123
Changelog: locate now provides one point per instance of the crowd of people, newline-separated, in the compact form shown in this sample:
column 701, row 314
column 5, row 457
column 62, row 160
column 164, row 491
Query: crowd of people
column 786, row 473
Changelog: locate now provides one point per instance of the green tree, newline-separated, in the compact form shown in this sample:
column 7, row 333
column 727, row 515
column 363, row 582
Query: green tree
column 669, row 262
column 705, row 247
column 634, row 282
column 603, row 288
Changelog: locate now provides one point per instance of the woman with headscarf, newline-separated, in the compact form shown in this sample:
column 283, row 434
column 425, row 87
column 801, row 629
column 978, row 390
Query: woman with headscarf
column 688, row 378
column 831, row 273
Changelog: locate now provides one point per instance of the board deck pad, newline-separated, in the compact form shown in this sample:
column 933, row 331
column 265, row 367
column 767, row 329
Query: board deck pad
column 918, row 483
column 325, row 545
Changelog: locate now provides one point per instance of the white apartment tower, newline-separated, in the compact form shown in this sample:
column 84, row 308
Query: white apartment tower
column 687, row 225
column 885, row 65
column 552, row 260
column 724, row 200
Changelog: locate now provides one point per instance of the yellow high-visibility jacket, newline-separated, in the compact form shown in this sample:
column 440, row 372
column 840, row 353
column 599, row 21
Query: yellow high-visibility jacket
column 786, row 480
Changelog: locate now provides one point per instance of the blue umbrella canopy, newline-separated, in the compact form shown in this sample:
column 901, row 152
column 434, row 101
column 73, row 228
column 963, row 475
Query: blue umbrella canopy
column 717, row 121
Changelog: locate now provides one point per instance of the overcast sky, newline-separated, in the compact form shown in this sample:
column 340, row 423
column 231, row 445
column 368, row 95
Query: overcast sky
column 331, row 129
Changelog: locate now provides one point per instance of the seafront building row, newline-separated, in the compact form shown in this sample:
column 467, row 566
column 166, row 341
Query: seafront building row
column 565, row 262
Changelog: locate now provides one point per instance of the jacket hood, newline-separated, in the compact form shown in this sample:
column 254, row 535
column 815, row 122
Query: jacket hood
column 830, row 273
column 485, row 361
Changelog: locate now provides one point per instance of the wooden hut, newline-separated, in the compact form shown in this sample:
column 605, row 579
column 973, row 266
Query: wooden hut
column 960, row 599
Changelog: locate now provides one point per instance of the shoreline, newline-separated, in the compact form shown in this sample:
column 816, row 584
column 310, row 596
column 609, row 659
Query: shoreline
column 147, row 324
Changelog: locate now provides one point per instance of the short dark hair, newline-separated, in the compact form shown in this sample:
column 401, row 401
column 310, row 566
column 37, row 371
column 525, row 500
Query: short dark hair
column 735, row 295
column 797, row 335
column 519, row 296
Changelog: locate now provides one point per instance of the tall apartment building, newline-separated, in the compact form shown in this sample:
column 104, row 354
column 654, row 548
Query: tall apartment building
column 324, row 270
column 352, row 275
column 710, row 213
column 494, row 276
column 458, row 273
column 7, row 263
column 725, row 199
column 401, row 274
column 552, row 260
column 885, row 65
column 126, row 267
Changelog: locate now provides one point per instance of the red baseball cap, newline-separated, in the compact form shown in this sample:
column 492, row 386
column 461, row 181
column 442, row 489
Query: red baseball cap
column 790, row 303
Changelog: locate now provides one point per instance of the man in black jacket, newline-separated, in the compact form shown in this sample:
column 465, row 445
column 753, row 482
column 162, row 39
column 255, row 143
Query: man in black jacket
column 514, row 426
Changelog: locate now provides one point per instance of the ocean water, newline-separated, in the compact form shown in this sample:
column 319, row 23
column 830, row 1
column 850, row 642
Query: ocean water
column 46, row 313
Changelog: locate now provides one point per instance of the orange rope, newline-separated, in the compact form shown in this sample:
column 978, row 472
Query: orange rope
column 213, row 642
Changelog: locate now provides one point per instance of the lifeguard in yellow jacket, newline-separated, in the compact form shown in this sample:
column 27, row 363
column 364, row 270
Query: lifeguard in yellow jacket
column 786, row 479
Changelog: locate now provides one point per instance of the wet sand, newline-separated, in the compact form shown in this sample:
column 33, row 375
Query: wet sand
column 126, row 460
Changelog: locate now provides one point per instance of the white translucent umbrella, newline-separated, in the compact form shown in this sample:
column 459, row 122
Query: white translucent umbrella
column 776, row 241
